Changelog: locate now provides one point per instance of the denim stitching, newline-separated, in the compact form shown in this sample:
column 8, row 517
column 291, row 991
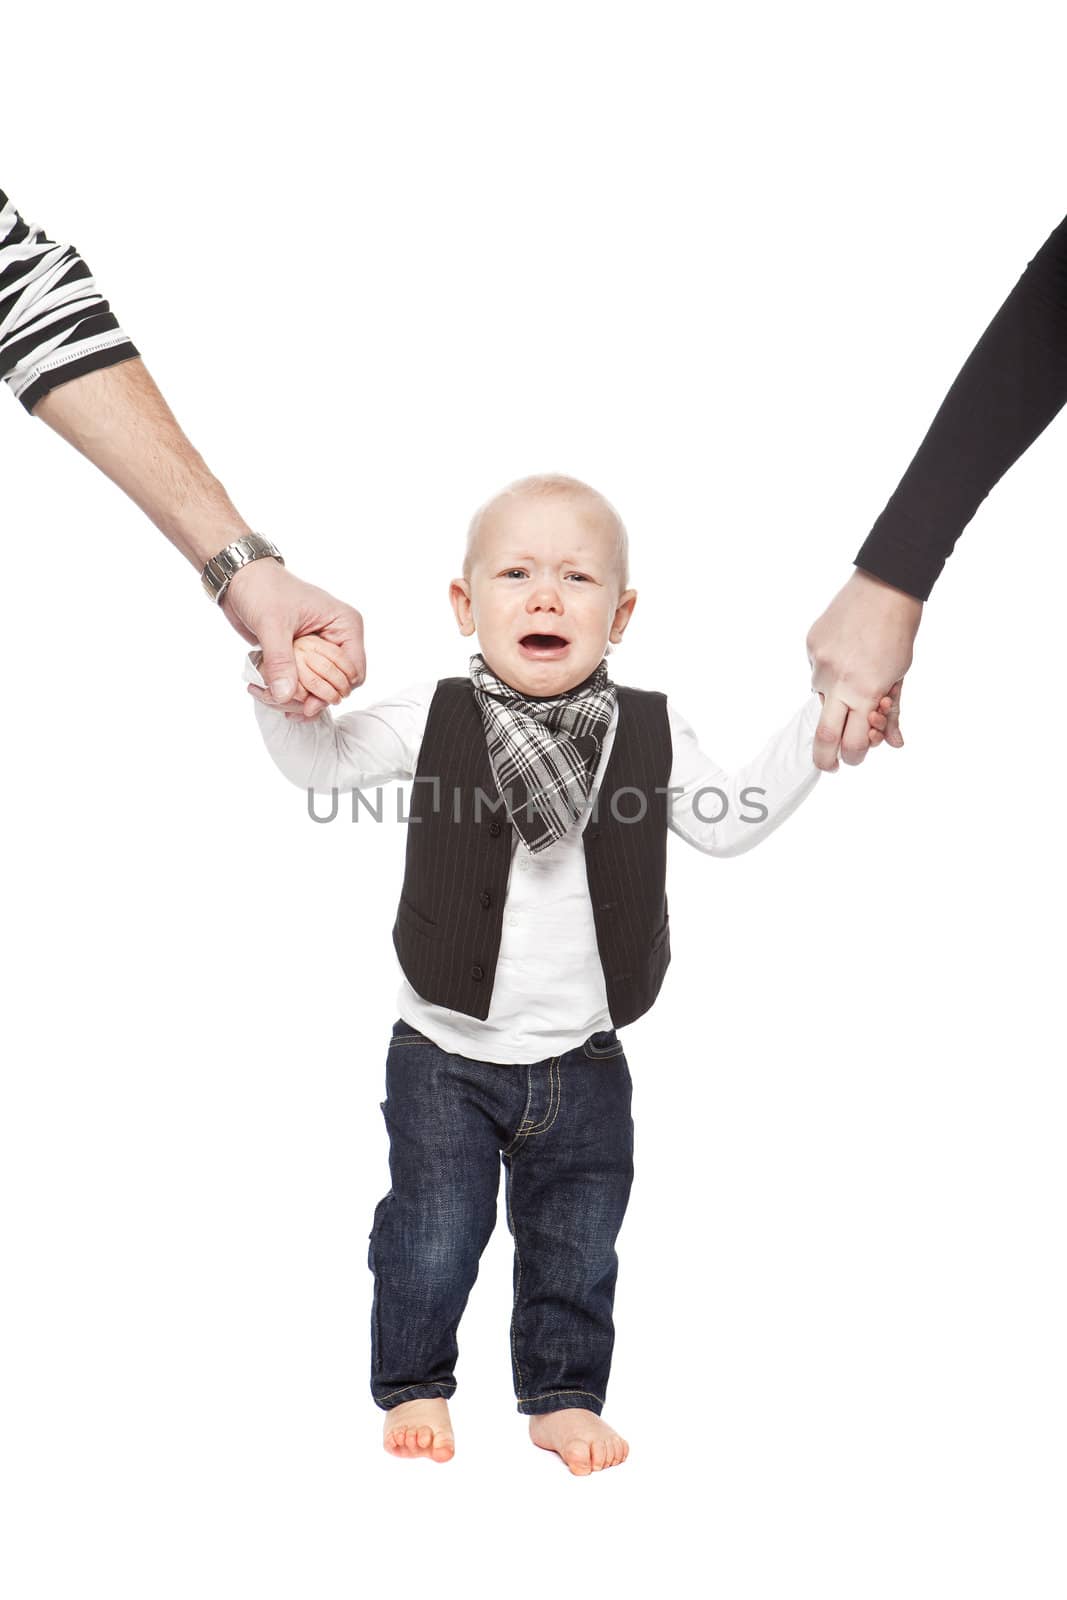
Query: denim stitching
column 525, row 1129
column 518, row 1286
column 445, row 1385
column 376, row 1309
column 524, row 1125
column 551, row 1393
column 554, row 1087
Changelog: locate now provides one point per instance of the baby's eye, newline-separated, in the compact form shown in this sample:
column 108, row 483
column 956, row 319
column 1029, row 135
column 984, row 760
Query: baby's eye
column 522, row 573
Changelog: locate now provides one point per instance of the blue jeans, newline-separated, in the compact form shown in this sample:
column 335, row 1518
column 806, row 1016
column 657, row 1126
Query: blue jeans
column 562, row 1128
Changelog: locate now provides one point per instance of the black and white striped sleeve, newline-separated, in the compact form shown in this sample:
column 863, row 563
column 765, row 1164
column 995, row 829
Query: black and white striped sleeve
column 54, row 323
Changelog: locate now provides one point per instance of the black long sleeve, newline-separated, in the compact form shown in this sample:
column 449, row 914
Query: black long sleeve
column 1009, row 389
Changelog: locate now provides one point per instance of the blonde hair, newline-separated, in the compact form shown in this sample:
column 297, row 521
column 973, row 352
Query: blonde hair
column 553, row 485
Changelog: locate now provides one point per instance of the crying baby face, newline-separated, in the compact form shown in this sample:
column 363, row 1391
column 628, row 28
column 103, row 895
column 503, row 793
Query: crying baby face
column 544, row 584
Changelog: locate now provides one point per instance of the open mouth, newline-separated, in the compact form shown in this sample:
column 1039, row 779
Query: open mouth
column 543, row 646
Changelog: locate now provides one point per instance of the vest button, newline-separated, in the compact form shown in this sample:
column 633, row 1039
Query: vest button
column 494, row 829
column 477, row 972
column 592, row 833
column 486, row 898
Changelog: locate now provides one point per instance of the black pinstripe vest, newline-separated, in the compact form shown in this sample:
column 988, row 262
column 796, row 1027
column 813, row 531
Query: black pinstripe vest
column 448, row 923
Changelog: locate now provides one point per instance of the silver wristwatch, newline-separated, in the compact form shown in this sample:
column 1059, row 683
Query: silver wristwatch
column 221, row 568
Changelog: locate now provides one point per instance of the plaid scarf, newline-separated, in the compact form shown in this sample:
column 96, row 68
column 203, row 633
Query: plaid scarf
column 544, row 750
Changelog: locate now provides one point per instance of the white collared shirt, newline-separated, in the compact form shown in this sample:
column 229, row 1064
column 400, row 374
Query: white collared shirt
column 548, row 990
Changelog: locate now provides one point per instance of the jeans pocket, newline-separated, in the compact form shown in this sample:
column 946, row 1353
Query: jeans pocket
column 404, row 1033
column 376, row 1307
column 603, row 1046
column 379, row 1211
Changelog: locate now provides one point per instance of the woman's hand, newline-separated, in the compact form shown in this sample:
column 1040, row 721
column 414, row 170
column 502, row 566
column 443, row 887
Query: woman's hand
column 862, row 642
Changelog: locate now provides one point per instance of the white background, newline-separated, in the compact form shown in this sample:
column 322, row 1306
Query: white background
column 722, row 262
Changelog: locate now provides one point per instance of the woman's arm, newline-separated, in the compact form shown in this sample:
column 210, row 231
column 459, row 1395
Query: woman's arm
column 1007, row 392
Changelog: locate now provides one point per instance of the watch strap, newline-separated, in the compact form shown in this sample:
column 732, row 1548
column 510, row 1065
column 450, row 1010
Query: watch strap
column 217, row 572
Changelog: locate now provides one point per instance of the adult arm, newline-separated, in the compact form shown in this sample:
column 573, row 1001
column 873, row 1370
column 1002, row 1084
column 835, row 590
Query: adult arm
column 1007, row 392
column 66, row 358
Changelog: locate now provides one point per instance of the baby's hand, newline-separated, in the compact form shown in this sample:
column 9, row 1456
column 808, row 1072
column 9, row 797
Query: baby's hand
column 878, row 719
column 319, row 670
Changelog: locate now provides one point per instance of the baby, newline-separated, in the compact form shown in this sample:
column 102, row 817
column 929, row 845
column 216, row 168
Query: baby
column 532, row 925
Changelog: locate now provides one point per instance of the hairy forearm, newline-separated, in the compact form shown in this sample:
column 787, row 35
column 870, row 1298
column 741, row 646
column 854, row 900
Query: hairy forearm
column 119, row 420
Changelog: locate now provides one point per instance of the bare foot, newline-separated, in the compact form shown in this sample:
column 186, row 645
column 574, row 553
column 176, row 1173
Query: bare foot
column 420, row 1428
column 583, row 1439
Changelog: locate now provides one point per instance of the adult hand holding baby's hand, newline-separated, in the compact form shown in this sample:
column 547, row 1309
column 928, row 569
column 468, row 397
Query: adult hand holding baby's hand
column 322, row 675
column 863, row 641
column 270, row 606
